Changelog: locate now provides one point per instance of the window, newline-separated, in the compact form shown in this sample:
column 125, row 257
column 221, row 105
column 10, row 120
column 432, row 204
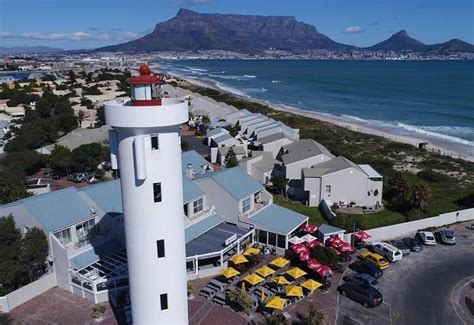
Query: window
column 246, row 205
column 281, row 241
column 272, row 237
column 262, row 236
column 154, row 142
column 85, row 230
column 157, row 192
column 164, row 301
column 64, row 236
column 328, row 188
column 160, row 248
column 376, row 192
column 198, row 205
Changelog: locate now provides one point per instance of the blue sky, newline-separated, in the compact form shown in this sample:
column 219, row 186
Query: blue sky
column 75, row 24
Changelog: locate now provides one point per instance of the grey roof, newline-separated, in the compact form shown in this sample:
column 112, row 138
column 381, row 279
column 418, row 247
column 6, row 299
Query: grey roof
column 303, row 149
column 237, row 149
column 267, row 162
column 272, row 138
column 279, row 219
column 213, row 240
column 222, row 138
column 216, row 131
column 235, row 181
column 330, row 166
column 370, row 171
column 78, row 137
column 330, row 230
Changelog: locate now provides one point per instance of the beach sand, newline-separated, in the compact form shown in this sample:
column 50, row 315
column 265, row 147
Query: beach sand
column 348, row 125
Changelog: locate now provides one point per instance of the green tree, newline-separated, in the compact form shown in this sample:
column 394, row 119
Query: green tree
column 242, row 299
column 34, row 251
column 89, row 156
column 467, row 201
column 325, row 255
column 231, row 159
column 313, row 317
column 80, row 116
column 421, row 195
column 10, row 245
column 279, row 184
column 61, row 159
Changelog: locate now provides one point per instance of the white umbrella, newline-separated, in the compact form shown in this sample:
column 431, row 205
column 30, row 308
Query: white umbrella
column 295, row 240
column 308, row 238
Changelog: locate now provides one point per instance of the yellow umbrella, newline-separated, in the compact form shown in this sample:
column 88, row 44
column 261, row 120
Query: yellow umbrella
column 263, row 294
column 265, row 271
column 243, row 286
column 296, row 273
column 276, row 303
column 253, row 279
column 230, row 272
column 294, row 291
column 311, row 285
column 279, row 262
column 281, row 280
column 251, row 251
column 239, row 259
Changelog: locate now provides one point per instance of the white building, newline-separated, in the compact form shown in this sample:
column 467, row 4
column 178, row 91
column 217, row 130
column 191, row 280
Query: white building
column 145, row 134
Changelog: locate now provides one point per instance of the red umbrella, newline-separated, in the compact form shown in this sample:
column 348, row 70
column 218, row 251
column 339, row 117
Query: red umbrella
column 325, row 271
column 362, row 235
column 298, row 248
column 313, row 264
column 346, row 248
column 336, row 251
column 310, row 228
column 304, row 256
column 314, row 243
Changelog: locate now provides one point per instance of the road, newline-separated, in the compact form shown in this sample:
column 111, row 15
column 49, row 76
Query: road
column 418, row 290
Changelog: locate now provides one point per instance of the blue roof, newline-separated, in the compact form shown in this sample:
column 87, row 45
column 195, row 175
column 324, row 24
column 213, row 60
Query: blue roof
column 215, row 131
column 58, row 209
column 200, row 227
column 279, row 219
column 94, row 254
column 236, row 182
column 190, row 190
column 108, row 195
column 193, row 158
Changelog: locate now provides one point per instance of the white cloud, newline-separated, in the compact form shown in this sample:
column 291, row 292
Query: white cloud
column 353, row 30
column 76, row 36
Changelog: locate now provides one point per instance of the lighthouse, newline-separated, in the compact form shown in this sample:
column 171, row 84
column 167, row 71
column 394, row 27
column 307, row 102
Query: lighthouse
column 145, row 147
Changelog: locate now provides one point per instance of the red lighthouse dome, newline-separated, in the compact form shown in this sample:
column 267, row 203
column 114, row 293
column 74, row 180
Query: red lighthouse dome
column 145, row 88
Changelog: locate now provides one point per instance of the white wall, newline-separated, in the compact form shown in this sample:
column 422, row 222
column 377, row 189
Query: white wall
column 406, row 228
column 28, row 292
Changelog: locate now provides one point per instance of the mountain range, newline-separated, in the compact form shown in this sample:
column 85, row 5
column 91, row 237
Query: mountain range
column 192, row 31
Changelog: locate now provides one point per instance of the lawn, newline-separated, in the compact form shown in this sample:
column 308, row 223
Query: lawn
column 370, row 220
column 312, row 212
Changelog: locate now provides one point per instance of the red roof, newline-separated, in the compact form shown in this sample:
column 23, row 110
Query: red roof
column 145, row 78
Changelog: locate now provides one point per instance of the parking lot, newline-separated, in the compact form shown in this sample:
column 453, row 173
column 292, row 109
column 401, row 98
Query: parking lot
column 419, row 289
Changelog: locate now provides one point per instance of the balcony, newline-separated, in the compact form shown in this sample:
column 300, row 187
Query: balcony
column 262, row 199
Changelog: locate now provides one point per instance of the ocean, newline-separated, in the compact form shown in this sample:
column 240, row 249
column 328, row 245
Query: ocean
column 432, row 100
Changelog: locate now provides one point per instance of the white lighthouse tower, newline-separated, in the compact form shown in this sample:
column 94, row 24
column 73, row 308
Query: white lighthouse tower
column 145, row 147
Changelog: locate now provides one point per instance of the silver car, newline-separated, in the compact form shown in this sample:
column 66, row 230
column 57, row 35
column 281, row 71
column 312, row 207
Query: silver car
column 447, row 236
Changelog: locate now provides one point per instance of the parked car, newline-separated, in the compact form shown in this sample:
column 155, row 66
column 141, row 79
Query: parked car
column 375, row 258
column 427, row 237
column 447, row 236
column 82, row 177
column 359, row 244
column 363, row 278
column 362, row 293
column 366, row 267
column 92, row 179
column 390, row 252
column 402, row 246
column 414, row 244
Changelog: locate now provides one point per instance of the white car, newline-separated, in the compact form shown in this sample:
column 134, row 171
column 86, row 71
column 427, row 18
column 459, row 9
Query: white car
column 427, row 237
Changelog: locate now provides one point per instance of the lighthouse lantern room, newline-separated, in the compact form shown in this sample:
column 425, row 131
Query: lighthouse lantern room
column 145, row 88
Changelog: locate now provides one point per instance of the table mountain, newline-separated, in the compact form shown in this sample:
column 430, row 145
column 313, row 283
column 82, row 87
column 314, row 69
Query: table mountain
column 190, row 31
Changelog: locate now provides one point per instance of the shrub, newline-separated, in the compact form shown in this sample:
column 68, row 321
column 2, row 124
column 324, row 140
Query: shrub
column 415, row 214
column 324, row 255
column 432, row 176
column 467, row 201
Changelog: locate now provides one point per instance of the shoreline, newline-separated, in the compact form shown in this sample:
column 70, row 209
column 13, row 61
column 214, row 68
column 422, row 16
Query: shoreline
column 412, row 140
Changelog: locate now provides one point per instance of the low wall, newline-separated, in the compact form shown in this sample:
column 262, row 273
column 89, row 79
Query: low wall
column 28, row 292
column 405, row 228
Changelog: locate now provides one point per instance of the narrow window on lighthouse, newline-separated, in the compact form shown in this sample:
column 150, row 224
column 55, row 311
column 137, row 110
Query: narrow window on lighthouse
column 164, row 301
column 157, row 192
column 154, row 142
column 160, row 248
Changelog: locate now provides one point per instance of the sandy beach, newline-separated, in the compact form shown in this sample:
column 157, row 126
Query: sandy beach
column 351, row 126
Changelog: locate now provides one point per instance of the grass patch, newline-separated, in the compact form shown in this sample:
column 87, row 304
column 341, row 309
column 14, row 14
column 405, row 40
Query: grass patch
column 312, row 212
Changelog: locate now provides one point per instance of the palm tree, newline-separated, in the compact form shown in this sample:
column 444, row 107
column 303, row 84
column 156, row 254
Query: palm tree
column 421, row 194
column 80, row 117
column 274, row 319
column 313, row 317
column 399, row 184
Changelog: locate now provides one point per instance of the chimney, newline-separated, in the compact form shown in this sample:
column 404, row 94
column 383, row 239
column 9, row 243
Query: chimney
column 190, row 171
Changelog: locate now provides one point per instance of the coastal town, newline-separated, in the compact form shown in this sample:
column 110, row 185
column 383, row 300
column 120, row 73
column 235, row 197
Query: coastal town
column 279, row 220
